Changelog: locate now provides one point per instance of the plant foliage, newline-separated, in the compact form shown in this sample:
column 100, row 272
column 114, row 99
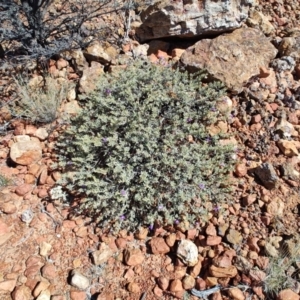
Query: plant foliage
column 140, row 152
column 282, row 269
column 39, row 101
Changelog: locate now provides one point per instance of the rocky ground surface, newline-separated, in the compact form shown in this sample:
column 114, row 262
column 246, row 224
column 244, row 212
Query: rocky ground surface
column 48, row 253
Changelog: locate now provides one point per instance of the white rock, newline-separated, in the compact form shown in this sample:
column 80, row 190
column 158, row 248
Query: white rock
column 41, row 133
column 191, row 18
column 102, row 255
column 79, row 281
column 21, row 138
column 25, row 152
column 44, row 295
column 45, row 249
column 71, row 95
column 188, row 252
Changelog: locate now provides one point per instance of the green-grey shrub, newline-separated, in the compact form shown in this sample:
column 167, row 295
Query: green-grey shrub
column 4, row 181
column 278, row 274
column 127, row 154
column 38, row 103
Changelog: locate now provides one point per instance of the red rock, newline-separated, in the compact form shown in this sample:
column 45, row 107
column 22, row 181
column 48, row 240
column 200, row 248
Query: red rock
column 162, row 55
column 29, row 178
column 211, row 230
column 179, row 272
column 133, row 287
column 287, row 294
column 213, row 240
column 176, row 53
column 256, row 118
column 200, row 284
column 43, row 175
column 252, row 243
column 78, row 295
column 257, row 275
column 274, row 106
column 224, row 260
column 49, row 271
column 129, row 275
column 7, row 285
column 218, row 272
column 159, row 246
column 163, row 282
column 8, row 208
column 26, row 152
column 153, row 58
column 68, row 224
column 171, row 239
column 59, row 297
column 42, row 193
column 191, row 234
column 23, row 189
column 240, row 170
column 41, row 286
column 61, row 63
column 56, row 175
column 121, row 243
column 133, row 257
column 256, row 127
column 236, row 294
column 262, row 262
column 195, row 270
column 30, row 130
column 50, row 180
column 176, row 285
column 264, row 72
column 188, row 282
column 81, row 232
column 249, row 199
column 216, row 296
column 158, row 292
column 21, row 293
column 3, row 228
column 34, row 169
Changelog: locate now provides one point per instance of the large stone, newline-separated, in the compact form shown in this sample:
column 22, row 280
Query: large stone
column 159, row 246
column 21, row 293
column 102, row 255
column 287, row 294
column 260, row 21
column 89, row 77
column 267, row 174
column 79, row 281
column 133, row 257
column 188, row 252
column 231, row 58
column 191, row 18
column 26, row 152
column 97, row 53
column 219, row 272
column 290, row 45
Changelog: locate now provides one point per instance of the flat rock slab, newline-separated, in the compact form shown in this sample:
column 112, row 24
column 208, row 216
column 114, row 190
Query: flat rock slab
column 192, row 18
column 231, row 58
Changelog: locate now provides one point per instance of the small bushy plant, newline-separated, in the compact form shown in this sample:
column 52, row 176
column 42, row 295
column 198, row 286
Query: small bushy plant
column 4, row 181
column 38, row 102
column 279, row 274
column 139, row 151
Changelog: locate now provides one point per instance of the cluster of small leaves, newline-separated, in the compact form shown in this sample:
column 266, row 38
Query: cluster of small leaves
column 129, row 153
